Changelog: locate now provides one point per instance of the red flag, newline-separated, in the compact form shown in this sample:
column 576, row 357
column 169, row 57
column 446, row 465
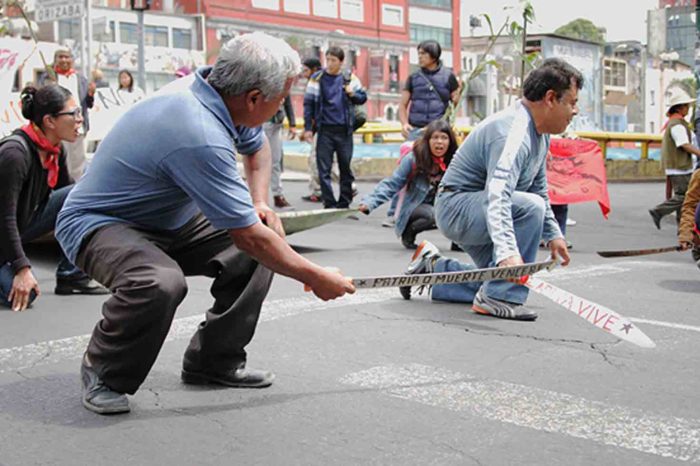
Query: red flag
column 576, row 173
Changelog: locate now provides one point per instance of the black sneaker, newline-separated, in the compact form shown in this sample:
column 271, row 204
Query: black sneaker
column 237, row 378
column 422, row 261
column 82, row 285
column 495, row 307
column 98, row 397
column 656, row 217
column 695, row 252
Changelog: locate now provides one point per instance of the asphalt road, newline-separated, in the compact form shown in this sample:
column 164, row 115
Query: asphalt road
column 374, row 379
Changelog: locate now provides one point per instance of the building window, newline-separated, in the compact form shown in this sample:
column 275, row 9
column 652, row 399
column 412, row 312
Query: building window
column 267, row 4
column 68, row 29
column 392, row 15
column 156, row 36
column 128, row 33
column 182, row 39
column 326, row 8
column 103, row 31
column 393, row 73
column 419, row 33
column 615, row 73
column 446, row 4
column 352, row 10
column 297, row 6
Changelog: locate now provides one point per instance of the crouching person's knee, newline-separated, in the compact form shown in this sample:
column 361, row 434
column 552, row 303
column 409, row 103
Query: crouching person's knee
column 169, row 287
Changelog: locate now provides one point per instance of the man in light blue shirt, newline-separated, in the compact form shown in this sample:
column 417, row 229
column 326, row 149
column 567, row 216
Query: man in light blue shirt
column 493, row 199
column 163, row 199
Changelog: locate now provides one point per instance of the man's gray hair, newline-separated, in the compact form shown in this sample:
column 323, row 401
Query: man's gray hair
column 254, row 61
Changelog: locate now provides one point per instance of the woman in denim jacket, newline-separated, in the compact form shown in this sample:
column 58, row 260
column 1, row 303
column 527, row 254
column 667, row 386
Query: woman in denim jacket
column 416, row 180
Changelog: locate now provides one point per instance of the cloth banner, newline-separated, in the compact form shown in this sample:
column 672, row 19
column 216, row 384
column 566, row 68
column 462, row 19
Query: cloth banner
column 576, row 173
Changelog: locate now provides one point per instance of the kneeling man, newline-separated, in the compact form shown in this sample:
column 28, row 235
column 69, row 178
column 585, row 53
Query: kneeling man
column 493, row 199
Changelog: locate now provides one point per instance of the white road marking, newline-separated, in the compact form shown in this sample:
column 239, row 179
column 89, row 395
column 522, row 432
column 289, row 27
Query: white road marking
column 55, row 351
column 661, row 323
column 536, row 408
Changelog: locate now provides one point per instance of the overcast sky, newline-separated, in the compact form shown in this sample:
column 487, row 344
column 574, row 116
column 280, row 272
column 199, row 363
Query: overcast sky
column 623, row 19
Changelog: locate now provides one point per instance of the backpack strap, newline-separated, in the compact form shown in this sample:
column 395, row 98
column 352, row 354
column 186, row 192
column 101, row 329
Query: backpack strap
column 16, row 138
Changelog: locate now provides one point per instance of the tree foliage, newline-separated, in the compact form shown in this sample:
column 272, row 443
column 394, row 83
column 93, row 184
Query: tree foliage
column 582, row 28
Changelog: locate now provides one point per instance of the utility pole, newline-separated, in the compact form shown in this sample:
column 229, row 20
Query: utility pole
column 88, row 20
column 140, row 6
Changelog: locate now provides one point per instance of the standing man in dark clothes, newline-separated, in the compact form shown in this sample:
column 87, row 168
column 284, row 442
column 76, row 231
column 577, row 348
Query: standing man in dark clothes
column 174, row 204
column 428, row 91
column 34, row 183
column 329, row 110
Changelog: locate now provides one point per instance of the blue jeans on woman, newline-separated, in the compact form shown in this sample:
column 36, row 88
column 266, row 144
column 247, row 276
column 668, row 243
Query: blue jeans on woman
column 461, row 217
column 43, row 222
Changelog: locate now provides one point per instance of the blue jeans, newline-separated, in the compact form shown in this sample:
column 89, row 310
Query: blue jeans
column 461, row 217
column 340, row 143
column 43, row 222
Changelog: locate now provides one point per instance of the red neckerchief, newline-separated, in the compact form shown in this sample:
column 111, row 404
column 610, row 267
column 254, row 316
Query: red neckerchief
column 66, row 73
column 440, row 162
column 51, row 162
column 674, row 116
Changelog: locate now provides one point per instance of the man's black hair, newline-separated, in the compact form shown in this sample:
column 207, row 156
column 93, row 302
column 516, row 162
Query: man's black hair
column 432, row 48
column 312, row 63
column 554, row 74
column 337, row 52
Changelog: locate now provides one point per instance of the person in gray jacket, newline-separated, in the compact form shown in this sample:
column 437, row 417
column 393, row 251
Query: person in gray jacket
column 493, row 200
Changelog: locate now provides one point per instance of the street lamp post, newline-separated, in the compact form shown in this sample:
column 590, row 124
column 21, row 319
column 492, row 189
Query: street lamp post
column 140, row 6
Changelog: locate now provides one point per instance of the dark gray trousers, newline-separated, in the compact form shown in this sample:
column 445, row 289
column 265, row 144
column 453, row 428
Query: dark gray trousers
column 145, row 271
column 679, row 184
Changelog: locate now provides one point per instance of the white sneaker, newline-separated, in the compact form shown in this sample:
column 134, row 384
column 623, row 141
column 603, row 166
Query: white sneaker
column 495, row 307
column 570, row 222
column 421, row 262
column 389, row 222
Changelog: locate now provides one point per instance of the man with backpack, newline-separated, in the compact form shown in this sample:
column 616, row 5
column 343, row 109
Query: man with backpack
column 428, row 91
column 329, row 110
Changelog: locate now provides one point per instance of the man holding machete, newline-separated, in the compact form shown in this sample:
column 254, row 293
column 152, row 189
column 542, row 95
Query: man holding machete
column 493, row 199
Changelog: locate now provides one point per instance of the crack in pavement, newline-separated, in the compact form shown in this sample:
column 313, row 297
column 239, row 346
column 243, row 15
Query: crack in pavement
column 590, row 345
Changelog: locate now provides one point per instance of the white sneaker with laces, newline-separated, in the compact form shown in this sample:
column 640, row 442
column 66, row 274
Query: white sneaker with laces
column 422, row 262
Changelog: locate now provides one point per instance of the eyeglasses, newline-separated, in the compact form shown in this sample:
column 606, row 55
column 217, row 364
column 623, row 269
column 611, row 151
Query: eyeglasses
column 76, row 113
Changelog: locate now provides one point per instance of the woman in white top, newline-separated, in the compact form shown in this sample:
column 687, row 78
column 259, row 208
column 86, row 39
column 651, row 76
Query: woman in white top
column 127, row 92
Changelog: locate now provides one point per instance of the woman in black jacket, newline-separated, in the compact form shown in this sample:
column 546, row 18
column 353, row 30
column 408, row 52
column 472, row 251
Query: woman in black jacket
column 34, row 183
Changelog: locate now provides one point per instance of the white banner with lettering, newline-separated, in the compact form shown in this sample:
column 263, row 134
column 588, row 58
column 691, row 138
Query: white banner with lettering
column 105, row 112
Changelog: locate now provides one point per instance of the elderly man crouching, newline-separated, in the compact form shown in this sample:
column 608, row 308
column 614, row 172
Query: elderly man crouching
column 162, row 200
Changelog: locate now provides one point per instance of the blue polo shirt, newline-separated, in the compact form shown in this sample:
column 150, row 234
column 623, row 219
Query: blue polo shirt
column 166, row 159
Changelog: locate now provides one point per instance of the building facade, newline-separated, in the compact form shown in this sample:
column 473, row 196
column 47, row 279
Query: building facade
column 172, row 40
column 378, row 36
column 498, row 86
column 673, row 29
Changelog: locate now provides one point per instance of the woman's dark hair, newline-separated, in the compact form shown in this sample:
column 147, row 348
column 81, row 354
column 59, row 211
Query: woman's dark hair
column 46, row 100
column 421, row 148
column 131, row 80
column 554, row 74
column 432, row 48
column 312, row 63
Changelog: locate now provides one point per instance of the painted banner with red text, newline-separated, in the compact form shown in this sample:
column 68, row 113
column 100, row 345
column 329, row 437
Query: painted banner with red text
column 576, row 173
